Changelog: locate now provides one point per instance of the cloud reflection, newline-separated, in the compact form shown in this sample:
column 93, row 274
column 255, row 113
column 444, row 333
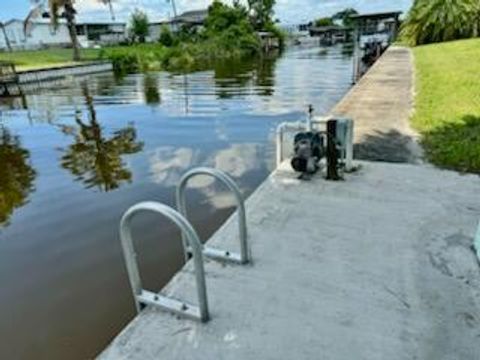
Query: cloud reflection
column 168, row 164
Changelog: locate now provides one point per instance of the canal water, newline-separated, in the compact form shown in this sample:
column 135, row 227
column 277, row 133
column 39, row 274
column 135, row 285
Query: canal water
column 75, row 157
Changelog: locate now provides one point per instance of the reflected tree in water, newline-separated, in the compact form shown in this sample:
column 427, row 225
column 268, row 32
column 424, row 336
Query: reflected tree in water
column 150, row 90
column 95, row 159
column 347, row 50
column 16, row 174
column 265, row 76
column 234, row 75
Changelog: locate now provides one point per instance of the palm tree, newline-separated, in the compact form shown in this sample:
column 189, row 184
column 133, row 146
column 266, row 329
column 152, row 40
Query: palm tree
column 7, row 40
column 440, row 20
column 61, row 9
column 110, row 7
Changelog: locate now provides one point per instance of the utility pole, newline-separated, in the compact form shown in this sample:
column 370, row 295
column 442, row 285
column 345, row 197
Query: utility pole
column 7, row 40
column 174, row 8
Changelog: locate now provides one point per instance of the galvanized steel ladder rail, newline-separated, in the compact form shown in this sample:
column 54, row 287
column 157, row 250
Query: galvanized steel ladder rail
column 192, row 246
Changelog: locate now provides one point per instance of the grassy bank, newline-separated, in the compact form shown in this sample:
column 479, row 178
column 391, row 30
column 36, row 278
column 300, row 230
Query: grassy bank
column 137, row 58
column 27, row 60
column 183, row 57
column 228, row 32
column 448, row 103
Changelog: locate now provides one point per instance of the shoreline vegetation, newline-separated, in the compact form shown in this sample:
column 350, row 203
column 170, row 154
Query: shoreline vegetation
column 444, row 39
column 229, row 32
column 447, row 103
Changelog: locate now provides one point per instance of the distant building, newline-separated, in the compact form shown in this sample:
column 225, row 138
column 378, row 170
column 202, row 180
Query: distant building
column 377, row 27
column 155, row 29
column 195, row 18
column 41, row 33
column 331, row 34
column 305, row 27
column 373, row 33
column 268, row 40
column 101, row 33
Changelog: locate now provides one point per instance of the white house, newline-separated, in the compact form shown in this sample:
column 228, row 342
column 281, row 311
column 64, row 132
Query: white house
column 41, row 34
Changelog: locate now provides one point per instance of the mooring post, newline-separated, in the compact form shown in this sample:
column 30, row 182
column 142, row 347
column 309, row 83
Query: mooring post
column 332, row 152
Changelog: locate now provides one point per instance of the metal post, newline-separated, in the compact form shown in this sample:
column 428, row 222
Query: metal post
column 356, row 53
column 142, row 296
column 349, row 146
column 332, row 152
column 279, row 153
column 244, row 256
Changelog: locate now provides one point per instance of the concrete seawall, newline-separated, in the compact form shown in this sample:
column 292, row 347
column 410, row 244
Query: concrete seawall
column 381, row 105
column 55, row 73
column 378, row 266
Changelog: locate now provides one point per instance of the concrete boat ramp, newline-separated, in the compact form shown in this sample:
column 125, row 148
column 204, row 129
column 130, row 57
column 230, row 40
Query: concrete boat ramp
column 379, row 266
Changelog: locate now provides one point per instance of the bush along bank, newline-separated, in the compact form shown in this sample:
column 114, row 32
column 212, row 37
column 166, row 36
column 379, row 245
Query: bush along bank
column 228, row 34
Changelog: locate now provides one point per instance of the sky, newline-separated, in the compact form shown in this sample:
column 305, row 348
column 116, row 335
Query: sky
column 288, row 11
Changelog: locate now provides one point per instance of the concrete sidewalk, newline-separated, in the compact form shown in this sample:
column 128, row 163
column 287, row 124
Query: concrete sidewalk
column 381, row 104
column 378, row 266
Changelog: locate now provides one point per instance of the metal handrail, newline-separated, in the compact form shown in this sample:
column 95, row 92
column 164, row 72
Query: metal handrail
column 143, row 297
column 244, row 256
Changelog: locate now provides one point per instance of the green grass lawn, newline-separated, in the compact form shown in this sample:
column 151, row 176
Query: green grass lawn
column 26, row 60
column 448, row 103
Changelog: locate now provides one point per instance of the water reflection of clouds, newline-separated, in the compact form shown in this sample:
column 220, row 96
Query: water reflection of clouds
column 168, row 164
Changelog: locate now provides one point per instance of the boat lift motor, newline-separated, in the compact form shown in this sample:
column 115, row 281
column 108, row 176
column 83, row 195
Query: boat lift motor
column 309, row 148
column 330, row 138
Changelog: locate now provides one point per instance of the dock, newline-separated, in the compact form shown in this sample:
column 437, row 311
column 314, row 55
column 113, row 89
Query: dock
column 381, row 104
column 378, row 266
